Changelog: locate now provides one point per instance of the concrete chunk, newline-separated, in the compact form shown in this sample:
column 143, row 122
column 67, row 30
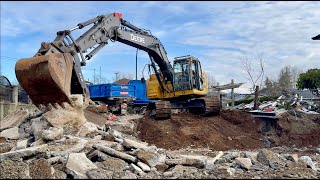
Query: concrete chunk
column 14, row 168
column 244, row 163
column 116, row 134
column 186, row 162
column 52, row 134
column 293, row 157
column 66, row 145
column 114, row 164
column 14, row 119
column 150, row 158
column 115, row 153
column 128, row 143
column 308, row 161
column 69, row 118
column 24, row 152
column 5, row 147
column 210, row 161
column 100, row 174
column 87, row 128
column 41, row 169
column 143, row 166
column 264, row 156
column 78, row 165
column 11, row 133
column 136, row 169
column 22, row 144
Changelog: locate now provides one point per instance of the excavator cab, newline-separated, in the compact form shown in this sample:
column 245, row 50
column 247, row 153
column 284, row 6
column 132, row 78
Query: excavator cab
column 187, row 73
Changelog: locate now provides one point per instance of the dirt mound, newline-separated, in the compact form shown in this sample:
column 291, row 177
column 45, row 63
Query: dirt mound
column 299, row 130
column 229, row 130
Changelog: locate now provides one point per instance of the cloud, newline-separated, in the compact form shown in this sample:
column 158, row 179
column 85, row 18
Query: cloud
column 218, row 33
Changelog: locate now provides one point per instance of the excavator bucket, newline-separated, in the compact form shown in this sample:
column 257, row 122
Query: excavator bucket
column 46, row 79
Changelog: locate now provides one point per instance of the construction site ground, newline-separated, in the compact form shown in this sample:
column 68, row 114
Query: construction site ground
column 232, row 129
column 230, row 145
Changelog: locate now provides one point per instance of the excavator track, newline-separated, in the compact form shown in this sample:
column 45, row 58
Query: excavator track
column 211, row 106
column 160, row 110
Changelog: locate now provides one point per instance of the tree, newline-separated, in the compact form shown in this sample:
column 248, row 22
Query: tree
column 271, row 87
column 285, row 79
column 310, row 80
column 254, row 67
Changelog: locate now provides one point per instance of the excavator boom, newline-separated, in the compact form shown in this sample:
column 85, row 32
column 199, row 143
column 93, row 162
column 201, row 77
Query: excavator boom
column 54, row 73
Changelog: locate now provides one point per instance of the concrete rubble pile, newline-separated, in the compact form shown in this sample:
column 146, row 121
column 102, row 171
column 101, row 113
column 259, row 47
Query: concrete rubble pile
column 284, row 104
column 61, row 144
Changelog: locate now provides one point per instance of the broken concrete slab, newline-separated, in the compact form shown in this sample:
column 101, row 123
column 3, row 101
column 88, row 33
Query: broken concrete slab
column 150, row 158
column 293, row 157
column 251, row 155
column 14, row 119
column 211, row 161
column 116, row 134
column 136, row 169
column 115, row 153
column 11, row 133
column 38, row 124
column 244, row 163
column 113, row 164
column 87, row 128
column 162, row 167
column 180, row 171
column 69, row 118
column 38, row 142
column 185, row 162
column 308, row 161
column 264, row 156
column 24, row 152
column 63, row 147
column 78, row 165
column 97, row 156
column 22, row 144
column 5, row 147
column 41, row 169
column 25, row 130
column 128, row 143
column 124, row 175
column 52, row 134
column 14, row 168
column 59, row 174
column 144, row 166
column 100, row 174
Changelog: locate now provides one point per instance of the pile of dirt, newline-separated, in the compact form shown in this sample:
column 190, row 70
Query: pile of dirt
column 229, row 130
column 300, row 130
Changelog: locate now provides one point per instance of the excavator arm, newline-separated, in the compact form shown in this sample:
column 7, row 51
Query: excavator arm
column 54, row 72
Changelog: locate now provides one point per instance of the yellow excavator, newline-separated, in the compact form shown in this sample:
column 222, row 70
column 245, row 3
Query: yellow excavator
column 54, row 72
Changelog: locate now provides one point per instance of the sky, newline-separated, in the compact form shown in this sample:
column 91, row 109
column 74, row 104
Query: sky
column 220, row 34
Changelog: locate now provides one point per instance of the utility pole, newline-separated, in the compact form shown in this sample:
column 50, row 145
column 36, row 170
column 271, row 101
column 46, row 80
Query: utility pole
column 137, row 64
column 116, row 76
